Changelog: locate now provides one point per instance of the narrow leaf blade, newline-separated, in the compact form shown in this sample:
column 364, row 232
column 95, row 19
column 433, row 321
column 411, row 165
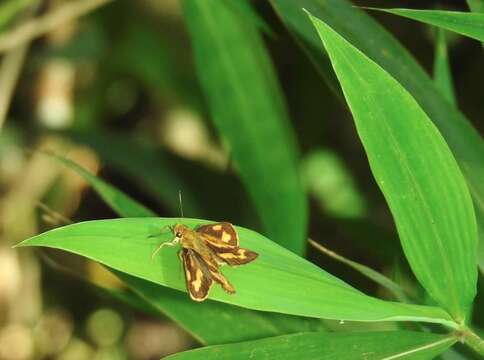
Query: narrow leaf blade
column 359, row 345
column 248, row 109
column 442, row 71
column 117, row 200
column 371, row 38
column 417, row 174
column 476, row 5
column 140, row 161
column 464, row 23
column 278, row 281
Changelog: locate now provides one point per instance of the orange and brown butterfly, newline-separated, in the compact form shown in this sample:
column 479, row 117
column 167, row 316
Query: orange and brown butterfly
column 203, row 251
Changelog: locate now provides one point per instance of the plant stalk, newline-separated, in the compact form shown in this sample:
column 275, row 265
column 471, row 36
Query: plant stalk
column 473, row 340
column 39, row 26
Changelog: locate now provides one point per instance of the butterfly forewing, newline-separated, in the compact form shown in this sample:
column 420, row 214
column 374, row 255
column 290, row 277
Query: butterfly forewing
column 197, row 277
column 223, row 240
column 219, row 234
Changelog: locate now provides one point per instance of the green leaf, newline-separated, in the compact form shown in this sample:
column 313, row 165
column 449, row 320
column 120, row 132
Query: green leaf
column 442, row 71
column 342, row 346
column 230, row 323
column 292, row 14
column 372, row 39
column 464, row 23
column 417, row 174
column 141, row 162
column 213, row 322
column 386, row 283
column 248, row 109
column 278, row 281
column 250, row 14
column 476, row 5
column 117, row 200
column 480, row 248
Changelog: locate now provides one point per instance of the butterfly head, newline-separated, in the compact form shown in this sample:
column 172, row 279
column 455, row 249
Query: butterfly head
column 179, row 230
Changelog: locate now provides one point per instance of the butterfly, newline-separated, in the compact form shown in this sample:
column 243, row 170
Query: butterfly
column 203, row 251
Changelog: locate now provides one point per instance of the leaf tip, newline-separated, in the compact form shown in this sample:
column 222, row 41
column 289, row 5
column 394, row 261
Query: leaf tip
column 309, row 15
column 20, row 244
column 369, row 8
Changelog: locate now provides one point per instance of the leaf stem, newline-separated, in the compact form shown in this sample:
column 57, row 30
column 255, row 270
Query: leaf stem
column 396, row 290
column 473, row 340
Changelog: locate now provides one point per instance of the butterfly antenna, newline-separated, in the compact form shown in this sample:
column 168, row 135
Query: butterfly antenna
column 181, row 203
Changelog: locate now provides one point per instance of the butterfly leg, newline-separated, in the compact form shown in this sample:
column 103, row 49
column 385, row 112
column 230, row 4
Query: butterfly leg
column 170, row 243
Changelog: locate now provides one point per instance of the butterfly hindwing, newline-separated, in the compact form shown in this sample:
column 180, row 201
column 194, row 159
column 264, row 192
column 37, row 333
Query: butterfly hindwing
column 238, row 256
column 217, row 276
column 197, row 277
column 219, row 234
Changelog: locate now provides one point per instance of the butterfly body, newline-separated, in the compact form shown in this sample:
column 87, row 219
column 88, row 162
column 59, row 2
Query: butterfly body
column 203, row 251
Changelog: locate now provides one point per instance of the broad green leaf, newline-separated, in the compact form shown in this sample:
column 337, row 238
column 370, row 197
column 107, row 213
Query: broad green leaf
column 213, row 322
column 464, row 23
column 278, row 281
column 341, row 346
column 417, row 174
column 248, row 109
column 372, row 39
column 230, row 323
column 442, row 71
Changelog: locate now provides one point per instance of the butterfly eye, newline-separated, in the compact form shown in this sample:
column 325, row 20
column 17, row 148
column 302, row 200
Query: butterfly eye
column 178, row 234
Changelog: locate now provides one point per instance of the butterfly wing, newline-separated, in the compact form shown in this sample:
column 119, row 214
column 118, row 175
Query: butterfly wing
column 197, row 277
column 219, row 234
column 217, row 276
column 223, row 241
column 238, row 256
